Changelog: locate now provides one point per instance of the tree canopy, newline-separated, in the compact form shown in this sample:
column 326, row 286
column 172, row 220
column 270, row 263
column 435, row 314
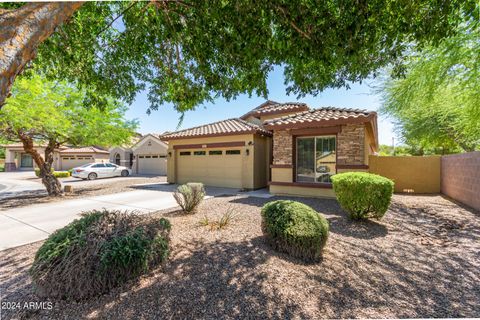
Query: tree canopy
column 53, row 113
column 48, row 110
column 188, row 52
column 437, row 103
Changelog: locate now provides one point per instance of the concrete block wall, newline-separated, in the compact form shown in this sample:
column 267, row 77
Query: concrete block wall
column 460, row 178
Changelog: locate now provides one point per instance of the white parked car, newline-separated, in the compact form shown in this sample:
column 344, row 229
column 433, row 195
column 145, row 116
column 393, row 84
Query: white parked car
column 92, row 171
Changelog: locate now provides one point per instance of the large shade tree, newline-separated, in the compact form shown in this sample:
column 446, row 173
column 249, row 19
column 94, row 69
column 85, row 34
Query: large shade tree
column 53, row 114
column 437, row 104
column 186, row 52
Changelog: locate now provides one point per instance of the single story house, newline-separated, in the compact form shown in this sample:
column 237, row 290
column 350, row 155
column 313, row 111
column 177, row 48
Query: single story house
column 146, row 155
column 123, row 155
column 288, row 146
column 150, row 155
column 64, row 157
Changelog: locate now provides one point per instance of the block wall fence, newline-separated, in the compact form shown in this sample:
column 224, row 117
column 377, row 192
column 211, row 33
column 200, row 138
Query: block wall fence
column 460, row 178
column 456, row 176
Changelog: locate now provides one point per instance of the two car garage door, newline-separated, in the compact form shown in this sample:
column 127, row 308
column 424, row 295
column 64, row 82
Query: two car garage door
column 152, row 164
column 69, row 162
column 222, row 167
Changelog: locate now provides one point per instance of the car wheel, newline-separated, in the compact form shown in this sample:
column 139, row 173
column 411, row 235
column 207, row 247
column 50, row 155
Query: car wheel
column 125, row 173
column 92, row 176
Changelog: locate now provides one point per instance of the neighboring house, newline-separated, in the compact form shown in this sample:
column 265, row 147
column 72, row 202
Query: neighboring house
column 150, row 155
column 145, row 155
column 64, row 157
column 287, row 146
column 123, row 155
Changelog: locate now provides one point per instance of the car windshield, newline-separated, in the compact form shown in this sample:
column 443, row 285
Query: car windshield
column 86, row 165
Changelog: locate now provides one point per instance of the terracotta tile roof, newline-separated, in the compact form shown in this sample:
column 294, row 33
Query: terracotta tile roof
column 84, row 150
column 326, row 115
column 220, row 128
column 272, row 107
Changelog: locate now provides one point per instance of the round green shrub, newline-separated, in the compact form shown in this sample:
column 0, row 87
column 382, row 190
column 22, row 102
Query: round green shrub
column 363, row 195
column 295, row 228
column 98, row 252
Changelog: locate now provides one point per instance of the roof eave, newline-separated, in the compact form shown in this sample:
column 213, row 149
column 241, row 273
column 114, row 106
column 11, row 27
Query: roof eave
column 237, row 133
column 317, row 123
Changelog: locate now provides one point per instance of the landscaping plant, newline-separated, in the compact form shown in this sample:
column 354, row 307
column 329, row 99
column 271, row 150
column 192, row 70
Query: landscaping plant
column 295, row 228
column 225, row 220
column 56, row 174
column 98, row 252
column 189, row 196
column 363, row 195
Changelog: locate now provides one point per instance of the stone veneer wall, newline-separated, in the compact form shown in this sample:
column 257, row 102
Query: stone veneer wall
column 350, row 145
column 282, row 147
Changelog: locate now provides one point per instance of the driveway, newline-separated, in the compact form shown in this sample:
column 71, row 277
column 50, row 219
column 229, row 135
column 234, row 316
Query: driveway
column 18, row 183
column 29, row 224
column 21, row 183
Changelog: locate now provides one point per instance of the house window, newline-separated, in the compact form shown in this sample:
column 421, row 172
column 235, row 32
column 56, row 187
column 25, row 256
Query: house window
column 199, row 153
column 232, row 152
column 185, row 153
column 215, row 152
column 26, row 160
column 316, row 159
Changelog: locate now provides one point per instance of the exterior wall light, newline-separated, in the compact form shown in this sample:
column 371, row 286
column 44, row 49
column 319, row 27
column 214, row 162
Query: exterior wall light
column 247, row 152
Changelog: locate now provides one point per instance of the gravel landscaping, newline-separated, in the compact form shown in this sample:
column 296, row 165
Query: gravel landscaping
column 421, row 260
column 100, row 187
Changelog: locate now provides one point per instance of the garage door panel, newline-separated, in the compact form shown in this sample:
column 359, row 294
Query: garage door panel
column 212, row 170
column 152, row 164
column 73, row 162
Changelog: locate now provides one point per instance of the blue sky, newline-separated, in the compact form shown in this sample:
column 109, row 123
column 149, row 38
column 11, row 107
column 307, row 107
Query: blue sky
column 166, row 118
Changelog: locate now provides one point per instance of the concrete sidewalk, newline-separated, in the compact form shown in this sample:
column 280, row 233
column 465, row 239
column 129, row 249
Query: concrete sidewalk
column 25, row 225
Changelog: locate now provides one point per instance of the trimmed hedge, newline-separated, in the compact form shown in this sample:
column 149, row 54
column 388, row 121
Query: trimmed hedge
column 363, row 195
column 295, row 228
column 58, row 174
column 98, row 252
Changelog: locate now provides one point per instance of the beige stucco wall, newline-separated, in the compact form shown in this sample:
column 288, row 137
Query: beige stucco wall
column 124, row 155
column 282, row 174
column 410, row 174
column 246, row 166
column 13, row 155
column 150, row 145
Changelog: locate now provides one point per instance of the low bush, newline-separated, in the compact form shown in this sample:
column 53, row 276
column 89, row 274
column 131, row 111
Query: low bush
column 98, row 252
column 61, row 174
column 363, row 195
column 189, row 196
column 295, row 228
column 58, row 174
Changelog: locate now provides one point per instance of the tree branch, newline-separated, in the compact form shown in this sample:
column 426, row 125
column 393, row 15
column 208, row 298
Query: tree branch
column 23, row 30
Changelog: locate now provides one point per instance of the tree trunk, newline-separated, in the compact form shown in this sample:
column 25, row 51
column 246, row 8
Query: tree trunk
column 51, row 183
column 22, row 31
